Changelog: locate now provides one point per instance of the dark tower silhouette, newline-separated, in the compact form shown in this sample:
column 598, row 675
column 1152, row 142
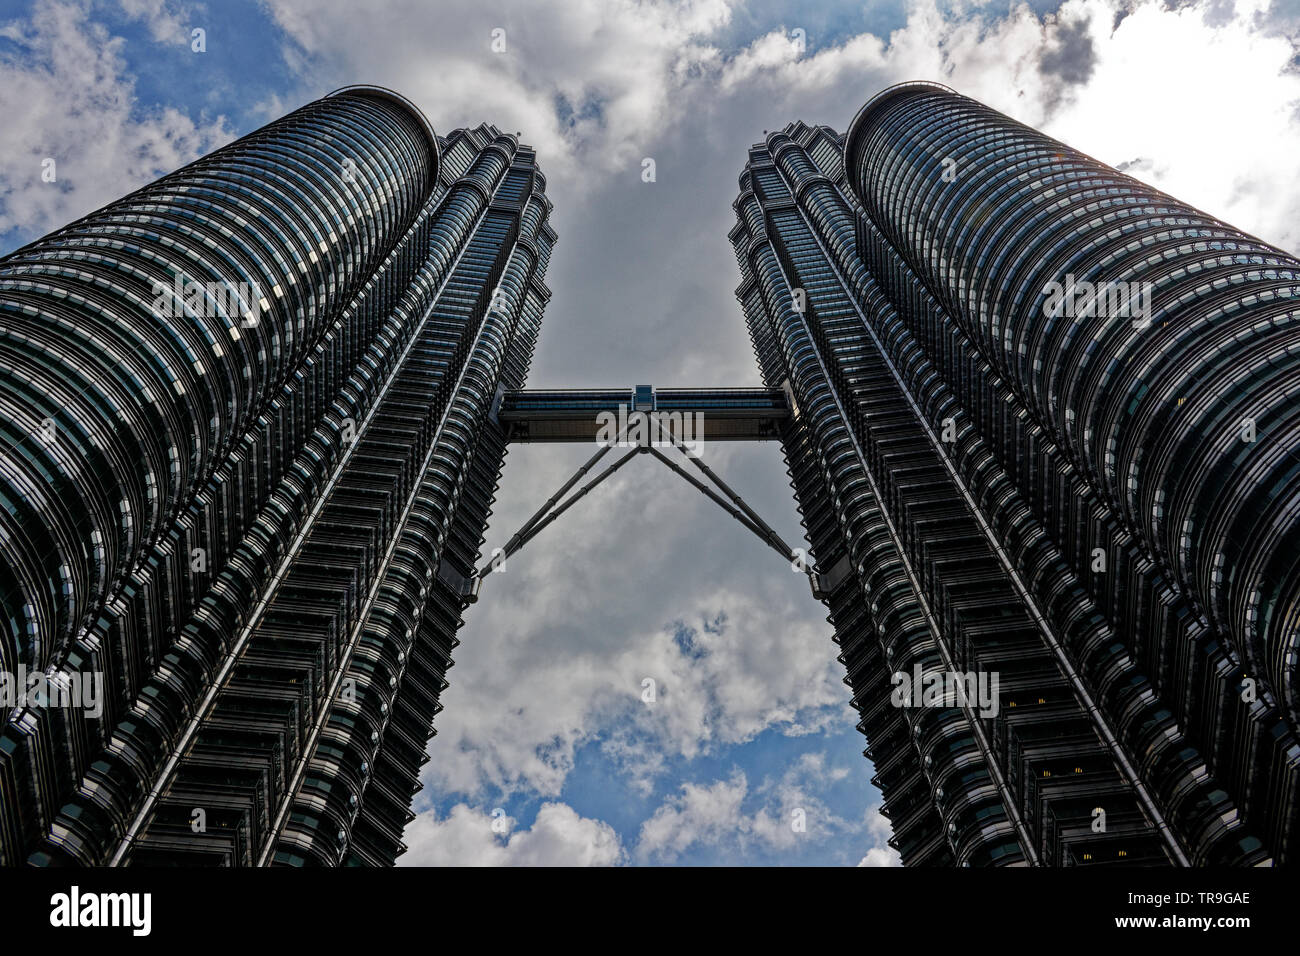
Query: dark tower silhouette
column 244, row 466
column 1046, row 432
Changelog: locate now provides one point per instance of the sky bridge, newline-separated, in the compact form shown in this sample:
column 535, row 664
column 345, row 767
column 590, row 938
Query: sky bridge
column 585, row 415
column 575, row 414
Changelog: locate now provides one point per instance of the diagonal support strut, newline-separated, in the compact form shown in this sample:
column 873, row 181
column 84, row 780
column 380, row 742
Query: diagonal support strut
column 735, row 506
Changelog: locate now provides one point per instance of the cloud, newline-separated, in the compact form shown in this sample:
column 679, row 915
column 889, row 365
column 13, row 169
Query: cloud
column 786, row 815
column 465, row 837
column 561, row 654
column 584, row 80
column 167, row 22
column 881, row 854
column 1068, row 60
column 1152, row 94
column 700, row 814
column 67, row 97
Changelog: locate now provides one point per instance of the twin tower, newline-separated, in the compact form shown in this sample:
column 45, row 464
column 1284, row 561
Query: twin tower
column 1041, row 421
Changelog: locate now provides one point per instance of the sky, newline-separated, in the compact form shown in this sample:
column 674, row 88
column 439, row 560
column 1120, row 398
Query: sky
column 546, row 752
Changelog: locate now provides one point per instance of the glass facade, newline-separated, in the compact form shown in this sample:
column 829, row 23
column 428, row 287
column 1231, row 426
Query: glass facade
column 996, row 485
column 245, row 447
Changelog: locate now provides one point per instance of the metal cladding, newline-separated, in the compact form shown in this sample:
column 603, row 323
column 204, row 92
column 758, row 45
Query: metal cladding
column 1151, row 413
column 145, row 404
column 1096, row 505
column 245, row 442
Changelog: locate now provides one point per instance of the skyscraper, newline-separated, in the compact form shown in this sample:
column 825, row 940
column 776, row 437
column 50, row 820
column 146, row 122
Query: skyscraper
column 1045, row 449
column 244, row 472
column 1039, row 418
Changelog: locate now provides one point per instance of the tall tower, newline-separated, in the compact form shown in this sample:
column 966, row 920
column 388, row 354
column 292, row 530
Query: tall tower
column 1045, row 444
column 246, row 459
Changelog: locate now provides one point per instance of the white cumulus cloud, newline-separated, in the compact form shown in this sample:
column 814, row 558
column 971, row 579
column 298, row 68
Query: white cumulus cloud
column 465, row 837
column 68, row 99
